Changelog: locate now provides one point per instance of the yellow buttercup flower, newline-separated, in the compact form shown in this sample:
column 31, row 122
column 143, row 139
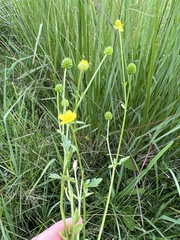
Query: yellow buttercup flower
column 83, row 65
column 118, row 25
column 67, row 117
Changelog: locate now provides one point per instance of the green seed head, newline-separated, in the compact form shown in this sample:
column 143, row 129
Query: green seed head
column 66, row 63
column 108, row 116
column 131, row 68
column 108, row 51
column 58, row 88
column 65, row 103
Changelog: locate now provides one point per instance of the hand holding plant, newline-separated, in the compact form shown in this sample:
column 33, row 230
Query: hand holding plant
column 56, row 230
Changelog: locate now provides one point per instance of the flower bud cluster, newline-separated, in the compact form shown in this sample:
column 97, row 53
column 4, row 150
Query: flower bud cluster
column 108, row 116
column 131, row 68
column 108, row 51
column 58, row 88
column 66, row 63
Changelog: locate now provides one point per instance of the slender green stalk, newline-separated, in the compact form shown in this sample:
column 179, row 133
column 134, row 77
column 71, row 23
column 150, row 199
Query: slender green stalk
column 63, row 94
column 107, row 140
column 58, row 107
column 78, row 91
column 82, row 179
column 62, row 205
column 122, row 64
column 115, row 163
column 5, row 92
column 84, row 93
column 107, row 203
column 64, row 88
column 62, row 189
column 65, row 162
column 71, row 199
column 113, row 174
column 84, row 209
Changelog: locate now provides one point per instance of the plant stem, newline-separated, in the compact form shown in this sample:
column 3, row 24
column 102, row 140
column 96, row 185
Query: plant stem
column 113, row 175
column 58, row 108
column 109, row 149
column 62, row 206
column 65, row 155
column 64, row 84
column 115, row 163
column 82, row 176
column 78, row 90
column 63, row 94
column 122, row 63
column 84, row 93
column 84, row 210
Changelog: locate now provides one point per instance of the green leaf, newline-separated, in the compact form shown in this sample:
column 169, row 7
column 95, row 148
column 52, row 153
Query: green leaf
column 74, row 148
column 66, row 143
column 122, row 160
column 94, row 182
column 78, row 228
column 55, row 176
column 74, row 228
column 91, row 183
column 134, row 192
column 76, row 216
column 169, row 219
column 175, row 180
column 145, row 171
column 43, row 172
column 128, row 164
column 82, row 127
column 59, row 131
column 128, row 219
column 87, row 194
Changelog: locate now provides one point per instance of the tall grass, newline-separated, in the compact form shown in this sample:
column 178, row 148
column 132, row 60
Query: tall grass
column 48, row 32
column 35, row 37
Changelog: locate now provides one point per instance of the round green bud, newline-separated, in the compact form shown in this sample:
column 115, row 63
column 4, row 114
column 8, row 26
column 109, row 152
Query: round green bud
column 58, row 88
column 108, row 51
column 65, row 103
column 131, row 68
column 108, row 116
column 66, row 63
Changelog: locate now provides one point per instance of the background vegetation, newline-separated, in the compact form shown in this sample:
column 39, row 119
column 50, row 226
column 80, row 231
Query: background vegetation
column 35, row 37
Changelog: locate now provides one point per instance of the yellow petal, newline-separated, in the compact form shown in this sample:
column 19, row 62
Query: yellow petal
column 67, row 117
column 83, row 65
column 118, row 25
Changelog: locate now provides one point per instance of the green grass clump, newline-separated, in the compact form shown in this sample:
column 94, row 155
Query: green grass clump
column 35, row 37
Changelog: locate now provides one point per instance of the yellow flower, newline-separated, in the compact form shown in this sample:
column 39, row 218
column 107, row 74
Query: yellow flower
column 83, row 65
column 67, row 117
column 118, row 25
